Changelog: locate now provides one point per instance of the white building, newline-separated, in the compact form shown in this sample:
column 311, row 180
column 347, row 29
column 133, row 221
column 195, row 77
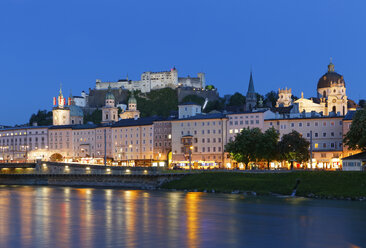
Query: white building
column 155, row 80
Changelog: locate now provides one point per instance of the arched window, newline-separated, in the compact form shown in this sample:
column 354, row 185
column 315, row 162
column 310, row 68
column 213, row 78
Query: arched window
column 324, row 93
column 344, row 110
column 334, row 109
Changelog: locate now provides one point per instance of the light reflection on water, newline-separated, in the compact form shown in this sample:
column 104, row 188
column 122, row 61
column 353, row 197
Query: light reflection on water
column 85, row 217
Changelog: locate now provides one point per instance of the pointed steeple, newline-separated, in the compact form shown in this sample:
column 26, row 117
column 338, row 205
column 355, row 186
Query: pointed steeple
column 60, row 94
column 251, row 97
column 251, row 84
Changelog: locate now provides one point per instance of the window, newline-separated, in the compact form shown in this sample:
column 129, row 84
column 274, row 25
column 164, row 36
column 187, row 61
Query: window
column 324, row 134
column 300, row 124
column 316, row 134
column 316, row 145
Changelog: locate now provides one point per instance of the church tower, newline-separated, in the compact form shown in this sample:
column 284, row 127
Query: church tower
column 132, row 111
column 284, row 98
column 109, row 111
column 251, row 97
column 60, row 112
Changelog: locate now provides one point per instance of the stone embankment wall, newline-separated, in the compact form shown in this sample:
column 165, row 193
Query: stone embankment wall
column 84, row 175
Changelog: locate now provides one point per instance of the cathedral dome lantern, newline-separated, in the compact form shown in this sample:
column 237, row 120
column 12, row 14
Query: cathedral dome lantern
column 329, row 78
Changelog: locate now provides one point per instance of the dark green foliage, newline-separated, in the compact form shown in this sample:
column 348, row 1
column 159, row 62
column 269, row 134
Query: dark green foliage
column 356, row 136
column 210, row 87
column 259, row 97
column 193, row 98
column 271, row 97
column 268, row 149
column 42, row 118
column 95, row 117
column 362, row 103
column 237, row 100
column 157, row 102
column 245, row 147
column 252, row 145
column 293, row 147
column 337, row 184
column 214, row 105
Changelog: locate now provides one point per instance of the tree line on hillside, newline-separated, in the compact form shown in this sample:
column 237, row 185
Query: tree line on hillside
column 252, row 145
column 164, row 102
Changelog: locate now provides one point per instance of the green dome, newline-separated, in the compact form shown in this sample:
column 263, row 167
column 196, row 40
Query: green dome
column 132, row 99
column 109, row 95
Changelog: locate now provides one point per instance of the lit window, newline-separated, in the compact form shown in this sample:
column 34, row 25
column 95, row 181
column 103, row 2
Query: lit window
column 316, row 145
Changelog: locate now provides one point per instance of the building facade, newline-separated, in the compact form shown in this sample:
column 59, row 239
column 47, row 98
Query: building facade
column 20, row 144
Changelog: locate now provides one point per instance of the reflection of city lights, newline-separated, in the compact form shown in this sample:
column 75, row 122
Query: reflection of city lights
column 87, row 168
column 128, row 171
column 108, row 170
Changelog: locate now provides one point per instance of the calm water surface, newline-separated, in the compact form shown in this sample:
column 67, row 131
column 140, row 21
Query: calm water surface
column 86, row 217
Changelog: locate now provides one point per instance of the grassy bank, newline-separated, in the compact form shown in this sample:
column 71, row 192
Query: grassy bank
column 322, row 184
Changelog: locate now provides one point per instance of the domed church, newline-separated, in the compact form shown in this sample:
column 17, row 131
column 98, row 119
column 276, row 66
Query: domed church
column 332, row 90
column 331, row 96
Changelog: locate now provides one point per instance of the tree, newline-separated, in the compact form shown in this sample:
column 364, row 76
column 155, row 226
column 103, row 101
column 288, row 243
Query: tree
column 42, row 118
column 293, row 147
column 214, row 105
column 95, row 117
column 237, row 100
column 245, row 147
column 210, row 87
column 356, row 137
column 193, row 98
column 362, row 103
column 271, row 98
column 268, row 146
column 157, row 102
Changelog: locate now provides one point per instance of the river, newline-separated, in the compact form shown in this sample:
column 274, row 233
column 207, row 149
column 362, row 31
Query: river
column 53, row 217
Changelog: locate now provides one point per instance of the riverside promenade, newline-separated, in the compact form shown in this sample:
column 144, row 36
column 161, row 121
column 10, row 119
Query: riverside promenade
column 65, row 174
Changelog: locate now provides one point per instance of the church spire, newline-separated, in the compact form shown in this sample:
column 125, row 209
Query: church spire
column 251, row 84
column 251, row 97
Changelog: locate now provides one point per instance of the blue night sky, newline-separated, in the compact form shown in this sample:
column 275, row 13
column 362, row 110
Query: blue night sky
column 288, row 43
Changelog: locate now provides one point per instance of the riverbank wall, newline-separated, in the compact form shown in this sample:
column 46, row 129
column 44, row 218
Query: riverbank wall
column 84, row 175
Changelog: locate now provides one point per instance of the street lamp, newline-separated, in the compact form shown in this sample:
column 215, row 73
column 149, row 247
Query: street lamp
column 190, row 158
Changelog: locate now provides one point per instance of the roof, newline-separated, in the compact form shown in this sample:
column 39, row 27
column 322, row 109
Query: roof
column 305, row 118
column 25, row 127
column 282, row 110
column 351, row 104
column 74, row 127
column 136, row 122
column 188, row 103
column 75, row 111
column 358, row 156
column 247, row 112
column 203, row 117
column 349, row 115
column 330, row 76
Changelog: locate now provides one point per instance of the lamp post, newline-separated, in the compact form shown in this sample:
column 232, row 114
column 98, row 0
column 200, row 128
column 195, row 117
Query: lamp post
column 190, row 158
